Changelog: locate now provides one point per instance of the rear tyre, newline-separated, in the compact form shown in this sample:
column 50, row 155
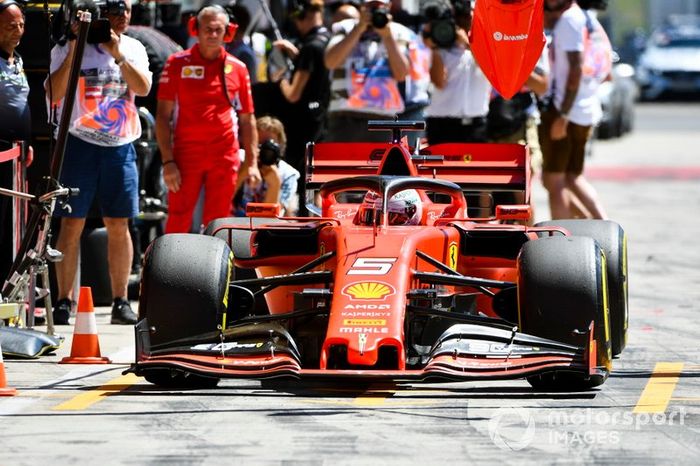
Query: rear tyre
column 613, row 241
column 561, row 290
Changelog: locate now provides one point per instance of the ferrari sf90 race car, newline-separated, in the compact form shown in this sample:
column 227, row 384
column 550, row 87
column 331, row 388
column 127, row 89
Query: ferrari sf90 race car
column 415, row 270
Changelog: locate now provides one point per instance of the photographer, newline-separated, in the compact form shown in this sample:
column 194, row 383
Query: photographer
column 280, row 179
column 460, row 101
column 369, row 62
column 307, row 90
column 99, row 158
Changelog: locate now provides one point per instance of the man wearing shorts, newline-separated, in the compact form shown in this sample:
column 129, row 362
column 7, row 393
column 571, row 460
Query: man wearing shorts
column 567, row 124
column 100, row 160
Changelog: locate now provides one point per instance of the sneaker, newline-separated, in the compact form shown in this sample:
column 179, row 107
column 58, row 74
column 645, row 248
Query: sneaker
column 61, row 312
column 122, row 313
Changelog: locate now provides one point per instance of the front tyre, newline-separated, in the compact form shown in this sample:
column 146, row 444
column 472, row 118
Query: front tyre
column 561, row 290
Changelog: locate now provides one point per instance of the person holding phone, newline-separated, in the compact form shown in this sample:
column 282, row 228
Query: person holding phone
column 100, row 159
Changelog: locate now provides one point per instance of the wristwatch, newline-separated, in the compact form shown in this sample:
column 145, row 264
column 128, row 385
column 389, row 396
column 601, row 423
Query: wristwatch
column 120, row 61
column 564, row 115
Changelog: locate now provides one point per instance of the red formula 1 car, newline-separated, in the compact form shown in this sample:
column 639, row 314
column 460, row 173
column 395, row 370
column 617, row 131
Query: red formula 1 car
column 397, row 278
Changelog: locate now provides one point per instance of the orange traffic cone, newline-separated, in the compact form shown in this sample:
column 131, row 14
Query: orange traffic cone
column 86, row 345
column 4, row 389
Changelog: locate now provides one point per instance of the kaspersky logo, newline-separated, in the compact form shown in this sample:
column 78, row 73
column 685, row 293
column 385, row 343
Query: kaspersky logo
column 368, row 290
column 499, row 36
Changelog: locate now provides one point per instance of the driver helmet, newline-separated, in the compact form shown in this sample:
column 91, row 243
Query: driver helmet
column 405, row 208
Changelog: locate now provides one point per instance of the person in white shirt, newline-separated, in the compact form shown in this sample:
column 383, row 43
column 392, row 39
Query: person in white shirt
column 460, row 101
column 574, row 108
column 100, row 159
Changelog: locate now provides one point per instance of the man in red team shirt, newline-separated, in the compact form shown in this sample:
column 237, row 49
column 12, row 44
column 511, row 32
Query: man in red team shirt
column 203, row 96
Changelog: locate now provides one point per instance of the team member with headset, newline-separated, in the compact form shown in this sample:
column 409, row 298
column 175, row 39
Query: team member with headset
column 211, row 91
column 100, row 159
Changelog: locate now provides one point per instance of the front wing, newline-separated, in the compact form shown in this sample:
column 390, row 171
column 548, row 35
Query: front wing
column 464, row 352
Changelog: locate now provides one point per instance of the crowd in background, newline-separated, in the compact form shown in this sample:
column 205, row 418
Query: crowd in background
column 235, row 107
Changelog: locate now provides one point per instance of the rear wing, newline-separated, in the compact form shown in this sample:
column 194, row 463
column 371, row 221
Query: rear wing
column 489, row 174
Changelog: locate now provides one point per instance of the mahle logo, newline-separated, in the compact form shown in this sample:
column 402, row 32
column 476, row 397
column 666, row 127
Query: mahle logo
column 499, row 36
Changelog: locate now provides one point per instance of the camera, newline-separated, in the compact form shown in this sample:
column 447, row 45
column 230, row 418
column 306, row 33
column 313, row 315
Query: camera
column 380, row 17
column 593, row 4
column 270, row 152
column 99, row 31
column 443, row 29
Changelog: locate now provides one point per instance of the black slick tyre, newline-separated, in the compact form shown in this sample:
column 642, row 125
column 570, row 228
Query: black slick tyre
column 184, row 292
column 561, row 290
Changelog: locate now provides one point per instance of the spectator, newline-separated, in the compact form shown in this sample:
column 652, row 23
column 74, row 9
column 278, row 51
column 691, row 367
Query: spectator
column 460, row 101
column 14, row 114
column 239, row 47
column 574, row 108
column 373, row 74
column 99, row 157
column 202, row 148
column 308, row 89
column 342, row 9
column 279, row 178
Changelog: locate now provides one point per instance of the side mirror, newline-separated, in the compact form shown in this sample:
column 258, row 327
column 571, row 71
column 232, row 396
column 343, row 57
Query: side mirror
column 262, row 210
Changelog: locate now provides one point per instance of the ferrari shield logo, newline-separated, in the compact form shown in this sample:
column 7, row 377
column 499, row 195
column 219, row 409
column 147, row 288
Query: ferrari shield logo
column 452, row 256
column 368, row 290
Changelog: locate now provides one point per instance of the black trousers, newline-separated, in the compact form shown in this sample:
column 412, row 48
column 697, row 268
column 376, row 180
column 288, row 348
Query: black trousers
column 440, row 130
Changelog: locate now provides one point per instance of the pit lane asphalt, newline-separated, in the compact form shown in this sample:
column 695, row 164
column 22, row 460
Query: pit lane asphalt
column 648, row 412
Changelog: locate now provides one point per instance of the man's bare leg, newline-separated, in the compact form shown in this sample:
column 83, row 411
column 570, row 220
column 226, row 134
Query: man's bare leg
column 120, row 254
column 69, row 244
column 559, row 203
column 587, row 194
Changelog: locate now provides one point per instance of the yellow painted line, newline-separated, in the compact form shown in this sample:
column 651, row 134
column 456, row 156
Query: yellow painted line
column 659, row 389
column 88, row 399
column 375, row 395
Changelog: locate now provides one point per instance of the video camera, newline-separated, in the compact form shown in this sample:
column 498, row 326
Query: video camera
column 270, row 152
column 100, row 28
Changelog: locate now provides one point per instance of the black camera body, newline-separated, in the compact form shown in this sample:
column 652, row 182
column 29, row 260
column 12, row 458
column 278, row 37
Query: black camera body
column 270, row 152
column 601, row 5
column 443, row 28
column 100, row 28
column 380, row 17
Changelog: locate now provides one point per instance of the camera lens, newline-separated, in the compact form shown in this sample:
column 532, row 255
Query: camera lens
column 443, row 32
column 380, row 17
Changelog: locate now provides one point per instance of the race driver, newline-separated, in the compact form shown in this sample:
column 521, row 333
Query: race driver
column 204, row 95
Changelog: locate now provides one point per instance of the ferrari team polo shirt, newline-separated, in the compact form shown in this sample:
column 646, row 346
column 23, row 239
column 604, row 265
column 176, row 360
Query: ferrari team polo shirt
column 209, row 95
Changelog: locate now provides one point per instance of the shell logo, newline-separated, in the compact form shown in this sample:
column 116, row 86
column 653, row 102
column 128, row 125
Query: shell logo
column 368, row 290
